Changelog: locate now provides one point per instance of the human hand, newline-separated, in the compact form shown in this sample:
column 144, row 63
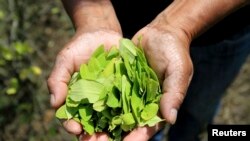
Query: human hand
column 76, row 52
column 168, row 54
column 161, row 48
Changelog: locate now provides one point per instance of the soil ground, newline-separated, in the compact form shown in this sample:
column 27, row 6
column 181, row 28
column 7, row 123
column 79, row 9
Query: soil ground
column 235, row 106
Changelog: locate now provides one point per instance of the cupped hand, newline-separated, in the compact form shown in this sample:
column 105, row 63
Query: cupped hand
column 76, row 52
column 167, row 52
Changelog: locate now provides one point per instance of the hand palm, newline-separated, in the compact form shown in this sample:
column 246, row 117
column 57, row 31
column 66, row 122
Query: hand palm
column 168, row 55
column 76, row 52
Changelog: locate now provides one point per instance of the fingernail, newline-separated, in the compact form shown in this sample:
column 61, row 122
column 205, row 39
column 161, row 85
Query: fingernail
column 52, row 99
column 173, row 116
column 80, row 137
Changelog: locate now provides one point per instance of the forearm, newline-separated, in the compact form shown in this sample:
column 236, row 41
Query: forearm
column 193, row 17
column 92, row 15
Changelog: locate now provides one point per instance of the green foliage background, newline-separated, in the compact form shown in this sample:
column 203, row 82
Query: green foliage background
column 31, row 32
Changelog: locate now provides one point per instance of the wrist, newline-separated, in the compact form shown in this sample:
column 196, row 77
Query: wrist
column 192, row 18
column 98, row 25
column 170, row 30
column 92, row 15
column 100, row 31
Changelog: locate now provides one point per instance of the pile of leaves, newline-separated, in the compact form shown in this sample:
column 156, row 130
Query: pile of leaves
column 115, row 92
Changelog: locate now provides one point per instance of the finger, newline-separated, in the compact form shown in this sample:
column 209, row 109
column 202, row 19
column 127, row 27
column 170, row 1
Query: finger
column 65, row 65
column 143, row 133
column 94, row 137
column 59, row 77
column 72, row 127
column 175, row 85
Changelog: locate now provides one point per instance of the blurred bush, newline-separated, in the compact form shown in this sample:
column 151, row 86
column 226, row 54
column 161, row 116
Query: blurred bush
column 19, row 78
column 31, row 32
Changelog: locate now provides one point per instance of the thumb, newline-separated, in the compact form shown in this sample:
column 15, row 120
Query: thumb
column 175, row 86
column 59, row 78
column 58, row 86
